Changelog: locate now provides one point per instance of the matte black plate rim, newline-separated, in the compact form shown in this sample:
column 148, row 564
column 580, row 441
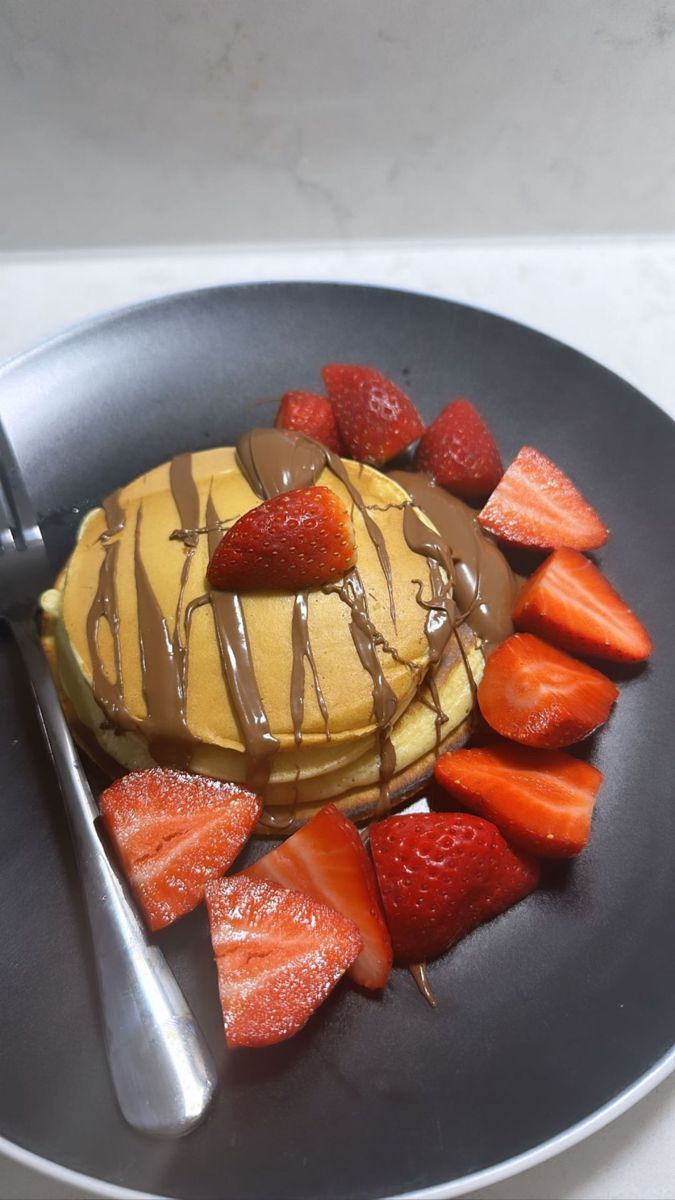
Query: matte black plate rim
column 87, row 324
column 440, row 1191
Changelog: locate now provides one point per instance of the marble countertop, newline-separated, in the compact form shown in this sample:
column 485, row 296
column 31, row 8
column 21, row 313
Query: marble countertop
column 611, row 299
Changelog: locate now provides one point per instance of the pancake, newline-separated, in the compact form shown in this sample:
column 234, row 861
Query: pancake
column 342, row 693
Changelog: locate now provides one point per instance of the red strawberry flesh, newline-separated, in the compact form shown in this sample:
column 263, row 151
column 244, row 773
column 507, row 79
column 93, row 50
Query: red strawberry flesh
column 278, row 955
column 300, row 539
column 173, row 832
column 539, row 696
column 376, row 419
column 310, row 414
column 443, row 874
column 542, row 800
column 459, row 452
column 569, row 602
column 537, row 506
column 326, row 859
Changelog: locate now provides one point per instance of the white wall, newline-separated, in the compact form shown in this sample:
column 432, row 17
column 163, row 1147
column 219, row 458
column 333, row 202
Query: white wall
column 153, row 121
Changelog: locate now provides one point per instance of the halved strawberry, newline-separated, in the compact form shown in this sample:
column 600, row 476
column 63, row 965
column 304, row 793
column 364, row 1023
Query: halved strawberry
column 375, row 418
column 441, row 875
column 459, row 451
column 535, row 505
column 570, row 603
column 534, row 694
column 326, row 859
column 311, row 414
column 300, row 539
column 540, row 799
column 174, row 832
column 278, row 955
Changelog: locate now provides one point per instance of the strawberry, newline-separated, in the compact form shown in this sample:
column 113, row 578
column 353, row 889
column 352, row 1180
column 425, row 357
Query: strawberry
column 310, row 414
column 459, row 451
column 540, row 799
column 375, row 418
column 535, row 505
column 299, row 539
column 570, row 603
column 441, row 875
column 326, row 859
column 173, row 832
column 541, row 697
column 278, row 955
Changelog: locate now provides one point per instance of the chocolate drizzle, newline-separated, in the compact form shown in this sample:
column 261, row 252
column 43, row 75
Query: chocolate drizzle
column 162, row 669
column 165, row 726
column 274, row 461
column 440, row 606
column 485, row 586
column 108, row 692
column 114, row 517
column 237, row 665
column 441, row 615
column 352, row 593
column 302, row 649
column 375, row 534
column 278, row 460
column 419, row 974
column 186, row 499
column 464, row 570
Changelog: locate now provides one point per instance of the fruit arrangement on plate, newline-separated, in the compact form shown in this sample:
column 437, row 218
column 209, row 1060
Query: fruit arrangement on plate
column 294, row 637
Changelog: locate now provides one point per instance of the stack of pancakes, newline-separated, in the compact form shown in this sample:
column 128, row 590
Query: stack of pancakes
column 138, row 562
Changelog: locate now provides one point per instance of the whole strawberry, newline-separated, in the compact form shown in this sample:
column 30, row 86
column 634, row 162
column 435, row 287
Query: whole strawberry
column 459, row 451
column 441, row 875
column 375, row 418
column 311, row 414
column 300, row 539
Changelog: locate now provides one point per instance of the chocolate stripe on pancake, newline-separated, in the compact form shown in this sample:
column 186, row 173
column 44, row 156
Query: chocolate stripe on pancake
column 352, row 593
column 186, row 499
column 164, row 725
column 374, row 532
column 237, row 667
column 302, row 649
column 109, row 693
column 441, row 615
column 274, row 461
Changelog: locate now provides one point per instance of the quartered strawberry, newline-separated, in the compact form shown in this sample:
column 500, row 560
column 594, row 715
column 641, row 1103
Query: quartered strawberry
column 542, row 800
column 326, row 859
column 459, row 451
column 535, row 505
column 539, row 696
column 278, row 955
column 375, row 418
column 570, row 603
column 311, row 414
column 300, row 539
column 441, row 875
column 174, row 832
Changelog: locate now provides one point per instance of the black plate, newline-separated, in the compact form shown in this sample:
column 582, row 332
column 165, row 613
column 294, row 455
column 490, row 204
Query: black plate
column 545, row 1014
